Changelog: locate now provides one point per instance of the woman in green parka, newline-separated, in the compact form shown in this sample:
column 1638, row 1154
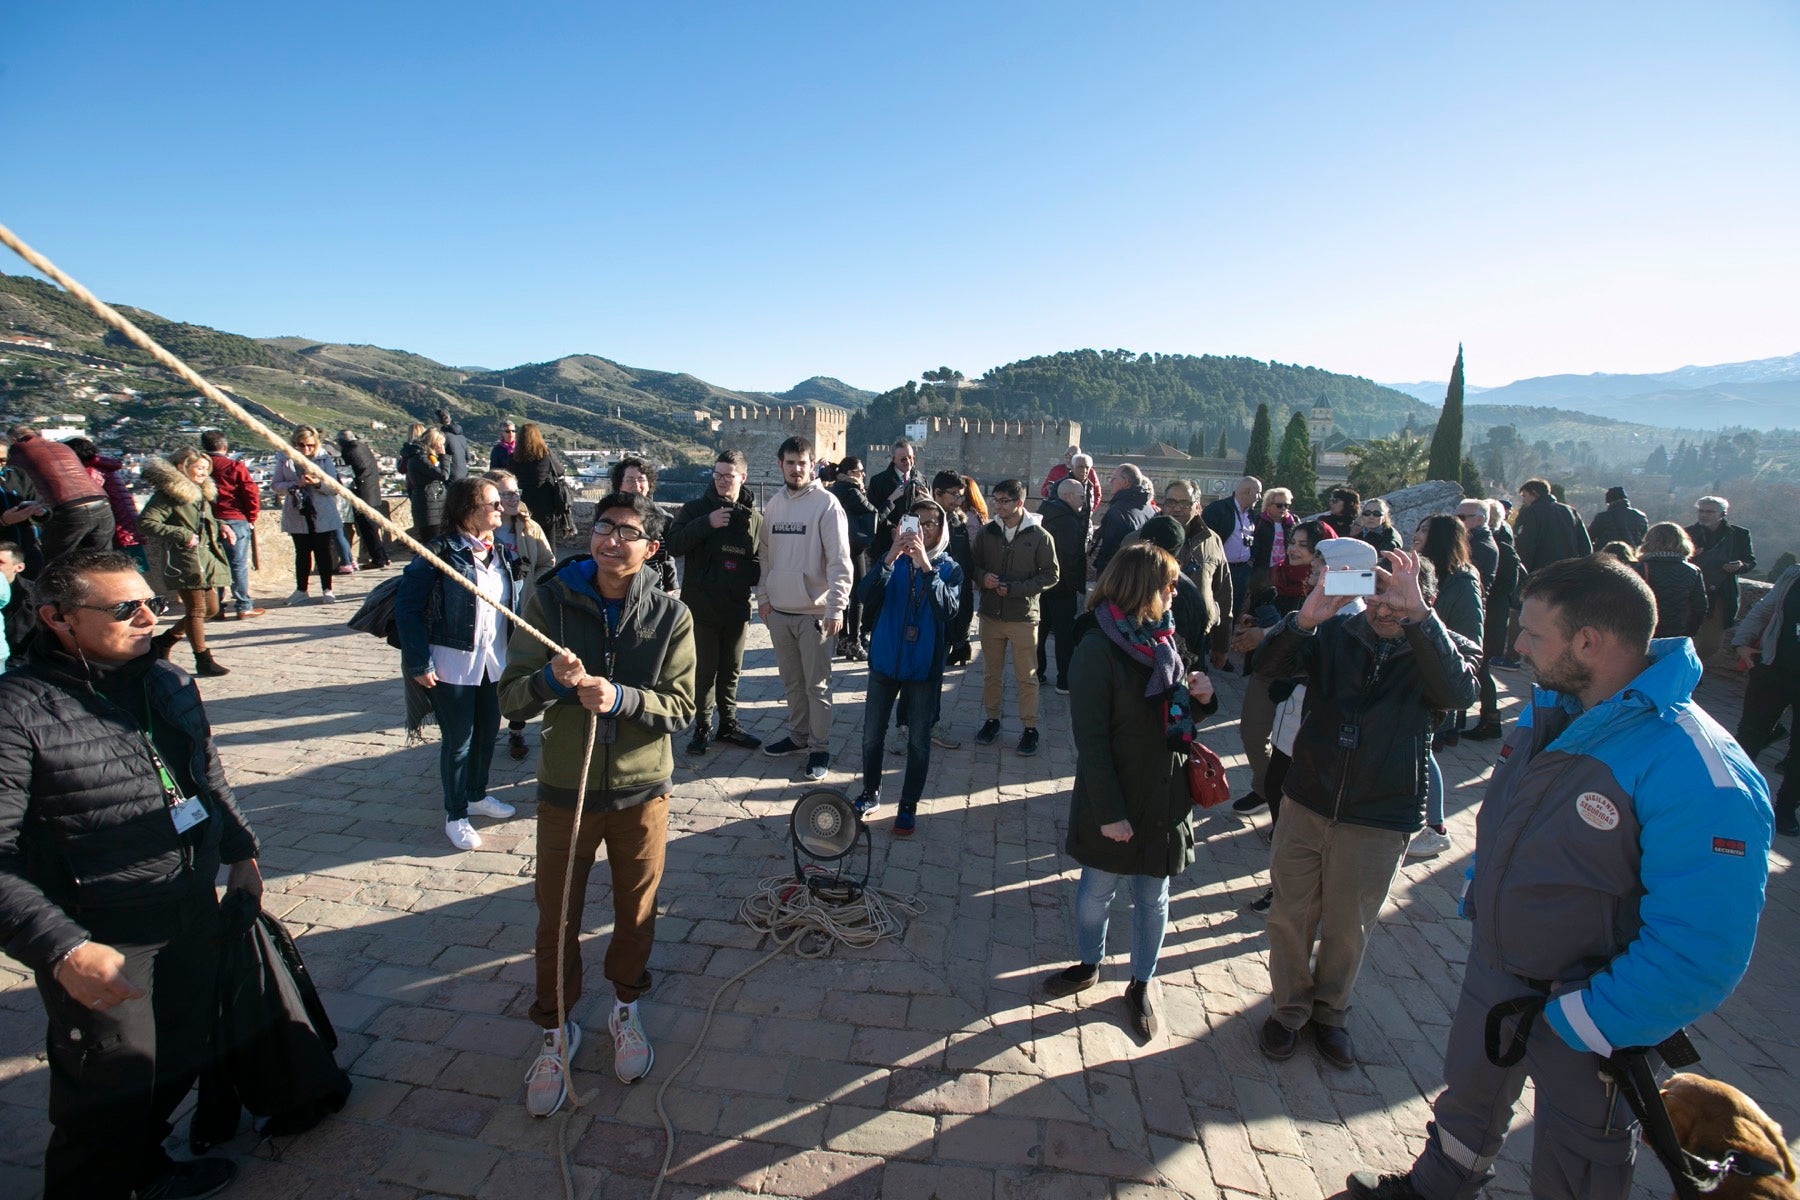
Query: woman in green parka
column 195, row 563
column 1128, row 815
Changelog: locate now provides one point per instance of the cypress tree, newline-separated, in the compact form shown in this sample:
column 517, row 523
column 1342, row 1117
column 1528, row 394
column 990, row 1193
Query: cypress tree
column 1446, row 439
column 1259, row 460
column 1224, row 450
column 1294, row 467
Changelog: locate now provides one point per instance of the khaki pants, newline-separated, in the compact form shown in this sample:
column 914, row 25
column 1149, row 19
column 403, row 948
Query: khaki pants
column 996, row 636
column 1256, row 725
column 803, row 658
column 1332, row 878
column 634, row 839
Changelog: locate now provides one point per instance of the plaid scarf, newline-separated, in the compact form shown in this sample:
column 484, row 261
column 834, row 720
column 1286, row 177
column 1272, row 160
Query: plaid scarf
column 1149, row 642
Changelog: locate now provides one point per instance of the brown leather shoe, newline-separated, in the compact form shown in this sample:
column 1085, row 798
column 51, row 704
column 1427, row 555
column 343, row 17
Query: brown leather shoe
column 1334, row 1045
column 1277, row 1040
column 248, row 612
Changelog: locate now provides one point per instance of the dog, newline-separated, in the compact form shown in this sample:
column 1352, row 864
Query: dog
column 1713, row 1120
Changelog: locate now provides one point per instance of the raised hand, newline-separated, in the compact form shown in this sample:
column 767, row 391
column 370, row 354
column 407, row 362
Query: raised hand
column 1318, row 607
column 1399, row 584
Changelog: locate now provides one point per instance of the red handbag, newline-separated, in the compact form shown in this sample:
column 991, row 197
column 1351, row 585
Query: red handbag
column 1205, row 776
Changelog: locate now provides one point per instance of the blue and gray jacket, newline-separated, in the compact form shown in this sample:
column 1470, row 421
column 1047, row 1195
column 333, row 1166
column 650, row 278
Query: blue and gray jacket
column 1623, row 854
column 902, row 597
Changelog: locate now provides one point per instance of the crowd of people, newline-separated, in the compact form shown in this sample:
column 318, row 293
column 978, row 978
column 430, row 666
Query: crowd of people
column 1618, row 808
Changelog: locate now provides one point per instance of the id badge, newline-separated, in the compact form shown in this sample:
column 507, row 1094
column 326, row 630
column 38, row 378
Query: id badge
column 187, row 814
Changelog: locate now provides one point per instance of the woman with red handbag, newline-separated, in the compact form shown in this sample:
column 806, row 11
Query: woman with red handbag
column 1129, row 811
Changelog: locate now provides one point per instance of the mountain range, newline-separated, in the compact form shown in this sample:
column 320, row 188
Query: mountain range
column 1762, row 394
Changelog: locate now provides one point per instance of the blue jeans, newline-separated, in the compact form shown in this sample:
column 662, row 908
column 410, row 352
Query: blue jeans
column 1434, row 790
column 468, row 717
column 239, row 551
column 916, row 696
column 1149, row 917
column 343, row 545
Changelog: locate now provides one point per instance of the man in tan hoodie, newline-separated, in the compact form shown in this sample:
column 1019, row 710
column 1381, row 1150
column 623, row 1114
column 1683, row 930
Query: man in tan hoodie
column 805, row 586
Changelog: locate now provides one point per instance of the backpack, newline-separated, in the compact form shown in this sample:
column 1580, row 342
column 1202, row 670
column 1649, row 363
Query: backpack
column 274, row 1047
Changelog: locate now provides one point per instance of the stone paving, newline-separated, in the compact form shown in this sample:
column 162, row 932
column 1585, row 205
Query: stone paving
column 928, row 1066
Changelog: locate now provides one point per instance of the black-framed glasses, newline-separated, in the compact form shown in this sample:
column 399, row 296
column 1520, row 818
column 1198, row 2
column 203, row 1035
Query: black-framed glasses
column 125, row 610
column 625, row 533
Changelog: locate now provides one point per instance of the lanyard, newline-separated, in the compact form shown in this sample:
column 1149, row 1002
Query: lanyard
column 171, row 793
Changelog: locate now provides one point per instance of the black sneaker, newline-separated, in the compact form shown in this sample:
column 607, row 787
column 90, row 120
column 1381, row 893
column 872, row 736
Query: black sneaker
column 191, row 1180
column 1062, row 689
column 1367, row 1185
column 1248, row 803
column 990, row 729
column 1261, row 905
column 1787, row 824
column 868, row 802
column 1028, row 742
column 698, row 744
column 734, row 734
column 1485, row 730
column 786, row 745
column 817, row 763
column 1078, row 978
column 1143, row 1015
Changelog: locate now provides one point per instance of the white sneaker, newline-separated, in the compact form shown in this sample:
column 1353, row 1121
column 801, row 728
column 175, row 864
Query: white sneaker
column 547, row 1084
column 299, row 598
column 632, row 1055
column 462, row 834
column 328, row 598
column 487, row 806
column 1429, row 843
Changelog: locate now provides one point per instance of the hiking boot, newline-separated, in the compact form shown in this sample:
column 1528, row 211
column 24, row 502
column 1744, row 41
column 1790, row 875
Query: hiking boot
column 632, row 1055
column 1143, row 1014
column 786, row 745
column 191, row 1180
column 546, row 1084
column 1428, row 843
column 1277, row 1041
column 1367, row 1185
column 733, row 734
column 990, row 729
column 1069, row 980
column 1028, row 743
column 817, row 763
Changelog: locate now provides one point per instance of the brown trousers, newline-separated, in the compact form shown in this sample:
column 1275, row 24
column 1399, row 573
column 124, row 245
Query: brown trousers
column 634, row 840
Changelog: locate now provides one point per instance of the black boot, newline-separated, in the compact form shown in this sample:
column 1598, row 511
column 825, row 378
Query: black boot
column 206, row 664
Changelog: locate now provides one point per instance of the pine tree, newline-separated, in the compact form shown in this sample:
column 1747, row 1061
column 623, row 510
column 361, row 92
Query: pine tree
column 1258, row 461
column 1446, row 439
column 1472, row 487
column 1294, row 467
column 1224, row 450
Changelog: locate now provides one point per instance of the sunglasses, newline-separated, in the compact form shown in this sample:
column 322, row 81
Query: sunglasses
column 1279, row 504
column 509, row 495
column 496, row 505
column 625, row 533
column 125, row 610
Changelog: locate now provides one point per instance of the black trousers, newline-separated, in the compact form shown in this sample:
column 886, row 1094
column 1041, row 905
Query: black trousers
column 1056, row 619
column 83, row 526
column 369, row 534
column 1768, row 692
column 853, row 612
column 718, row 661
column 116, row 1076
column 313, row 551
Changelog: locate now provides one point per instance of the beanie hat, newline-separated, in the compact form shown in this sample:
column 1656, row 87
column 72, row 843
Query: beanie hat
column 1165, row 532
column 1615, row 494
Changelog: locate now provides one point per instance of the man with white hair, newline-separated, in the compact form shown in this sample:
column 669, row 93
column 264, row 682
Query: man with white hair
column 1723, row 553
column 1079, row 467
column 1233, row 518
column 1499, row 567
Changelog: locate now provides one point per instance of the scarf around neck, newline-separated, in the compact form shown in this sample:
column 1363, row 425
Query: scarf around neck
column 1149, row 642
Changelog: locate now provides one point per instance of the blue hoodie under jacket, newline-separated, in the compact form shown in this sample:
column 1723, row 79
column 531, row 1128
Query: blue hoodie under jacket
column 1623, row 856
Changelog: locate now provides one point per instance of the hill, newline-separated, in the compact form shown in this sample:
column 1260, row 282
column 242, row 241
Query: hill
column 823, row 389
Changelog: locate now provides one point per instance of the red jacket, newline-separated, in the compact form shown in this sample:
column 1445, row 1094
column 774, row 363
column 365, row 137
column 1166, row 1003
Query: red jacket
column 105, row 472
column 55, row 472
column 239, row 499
column 1058, row 473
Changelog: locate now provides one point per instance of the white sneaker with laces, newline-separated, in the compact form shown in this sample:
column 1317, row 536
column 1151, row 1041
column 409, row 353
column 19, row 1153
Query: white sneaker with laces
column 298, row 598
column 1428, row 843
column 328, row 598
column 632, row 1055
column 462, row 834
column 488, row 806
column 547, row 1084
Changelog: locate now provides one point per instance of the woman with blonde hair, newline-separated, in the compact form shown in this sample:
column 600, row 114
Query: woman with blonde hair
column 1679, row 587
column 309, row 514
column 1128, row 813
column 428, row 483
column 526, row 538
column 1375, row 525
column 196, row 564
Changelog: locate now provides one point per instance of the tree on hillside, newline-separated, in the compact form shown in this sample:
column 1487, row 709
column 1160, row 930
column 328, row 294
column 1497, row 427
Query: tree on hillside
column 943, row 375
column 1197, row 443
column 1446, row 439
column 1658, row 462
column 1470, row 478
column 1294, row 466
column 1503, row 454
column 1387, row 464
column 1259, row 461
column 1224, row 450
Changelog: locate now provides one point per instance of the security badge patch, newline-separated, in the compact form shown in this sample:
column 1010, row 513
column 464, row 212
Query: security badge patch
column 1596, row 810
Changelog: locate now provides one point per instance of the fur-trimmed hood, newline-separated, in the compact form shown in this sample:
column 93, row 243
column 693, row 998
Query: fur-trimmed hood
column 168, row 481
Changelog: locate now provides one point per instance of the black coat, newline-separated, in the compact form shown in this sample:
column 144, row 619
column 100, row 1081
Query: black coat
column 427, row 484
column 538, row 486
column 456, row 451
column 366, row 472
column 1619, row 522
column 1068, row 530
column 722, row 566
column 1125, row 515
column 1681, row 603
column 1728, row 543
column 1384, row 697
column 1549, row 532
column 84, row 822
column 858, row 510
column 1484, row 556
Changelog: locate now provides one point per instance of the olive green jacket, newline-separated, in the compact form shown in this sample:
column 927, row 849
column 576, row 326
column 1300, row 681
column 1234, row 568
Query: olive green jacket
column 180, row 511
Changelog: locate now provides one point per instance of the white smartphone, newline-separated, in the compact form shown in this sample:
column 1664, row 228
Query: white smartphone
column 909, row 523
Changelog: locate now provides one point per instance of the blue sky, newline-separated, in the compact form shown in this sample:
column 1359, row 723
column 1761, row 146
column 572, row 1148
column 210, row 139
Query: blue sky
column 756, row 193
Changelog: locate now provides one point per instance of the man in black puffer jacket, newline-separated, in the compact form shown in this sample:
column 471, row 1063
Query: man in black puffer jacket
column 114, row 818
column 1377, row 683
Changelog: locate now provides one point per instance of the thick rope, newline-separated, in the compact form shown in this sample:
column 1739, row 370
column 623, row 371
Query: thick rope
column 301, row 463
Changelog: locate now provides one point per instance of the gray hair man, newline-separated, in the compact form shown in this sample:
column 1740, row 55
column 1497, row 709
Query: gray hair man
column 1233, row 518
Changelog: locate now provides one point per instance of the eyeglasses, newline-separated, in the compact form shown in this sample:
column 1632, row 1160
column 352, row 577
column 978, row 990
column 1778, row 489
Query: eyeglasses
column 125, row 610
column 496, row 505
column 1279, row 504
column 628, row 534
column 725, row 476
column 509, row 495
